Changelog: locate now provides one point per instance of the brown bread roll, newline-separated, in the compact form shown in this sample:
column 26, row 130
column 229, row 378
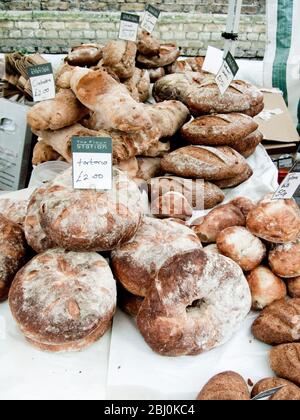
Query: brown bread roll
column 276, row 221
column 136, row 263
column 278, row 323
column 285, row 361
column 199, row 194
column 236, row 180
column 284, row 259
column 289, row 392
column 208, row 163
column 248, row 145
column 244, row 204
column 219, row 130
column 64, row 301
column 265, row 287
column 168, row 53
column 220, row 218
column 12, row 254
column 85, row 55
column 226, row 386
column 294, row 287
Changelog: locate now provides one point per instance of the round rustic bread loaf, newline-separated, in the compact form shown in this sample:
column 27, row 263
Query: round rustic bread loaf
column 226, row 386
column 242, row 247
column 276, row 221
column 284, row 259
column 265, row 287
column 90, row 220
column 12, row 253
column 136, row 263
column 63, row 301
column 195, row 304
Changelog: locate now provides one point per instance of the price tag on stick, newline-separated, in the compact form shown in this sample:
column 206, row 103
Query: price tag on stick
column 42, row 82
column 129, row 27
column 288, row 187
column 92, row 163
column 150, row 18
column 227, row 73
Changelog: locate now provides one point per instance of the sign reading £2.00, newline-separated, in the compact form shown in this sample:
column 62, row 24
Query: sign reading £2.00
column 42, row 82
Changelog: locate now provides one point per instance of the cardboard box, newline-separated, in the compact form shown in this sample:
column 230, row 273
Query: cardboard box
column 15, row 145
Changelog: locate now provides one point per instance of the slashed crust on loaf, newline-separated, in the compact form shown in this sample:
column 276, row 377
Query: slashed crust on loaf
column 247, row 146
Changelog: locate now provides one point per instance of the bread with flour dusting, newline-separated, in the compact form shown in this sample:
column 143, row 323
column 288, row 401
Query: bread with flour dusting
column 136, row 263
column 64, row 301
column 284, row 259
column 196, row 303
column 14, row 210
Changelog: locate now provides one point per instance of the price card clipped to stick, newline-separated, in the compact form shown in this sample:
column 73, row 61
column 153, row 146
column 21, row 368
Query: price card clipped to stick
column 42, row 82
column 227, row 73
column 129, row 27
column 289, row 185
column 92, row 163
column 150, row 19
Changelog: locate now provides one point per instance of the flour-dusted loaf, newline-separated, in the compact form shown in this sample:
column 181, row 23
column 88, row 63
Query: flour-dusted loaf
column 64, row 301
column 236, row 180
column 276, row 221
column 226, row 386
column 208, row 163
column 279, row 323
column 199, row 194
column 14, row 210
column 294, row 287
column 196, row 303
column 285, row 361
column 85, row 55
column 247, row 146
column 265, row 287
column 136, row 263
column 284, row 259
column 220, row 218
column 119, row 57
column 34, row 233
column 168, row 53
column 242, row 247
column 289, row 391
column 12, row 253
column 219, row 130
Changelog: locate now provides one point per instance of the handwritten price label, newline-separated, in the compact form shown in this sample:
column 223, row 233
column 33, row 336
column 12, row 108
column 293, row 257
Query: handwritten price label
column 92, row 163
column 150, row 18
column 227, row 73
column 129, row 27
column 42, row 82
column 288, row 187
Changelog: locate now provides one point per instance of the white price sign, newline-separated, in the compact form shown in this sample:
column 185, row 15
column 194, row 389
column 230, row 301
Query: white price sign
column 92, row 163
column 129, row 27
column 227, row 73
column 288, row 187
column 42, row 82
column 150, row 18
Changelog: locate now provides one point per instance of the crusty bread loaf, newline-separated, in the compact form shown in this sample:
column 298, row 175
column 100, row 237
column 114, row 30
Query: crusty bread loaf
column 242, row 247
column 236, row 180
column 219, row 130
column 289, row 392
column 168, row 53
column 285, row 361
column 119, row 57
column 147, row 45
column 129, row 166
column 64, row 300
column 247, row 146
column 294, row 287
column 284, row 259
column 276, row 221
column 200, row 195
column 226, row 386
column 12, row 254
column 265, row 287
column 148, row 168
column 220, row 218
column 85, row 55
column 172, row 205
column 208, row 163
column 278, row 323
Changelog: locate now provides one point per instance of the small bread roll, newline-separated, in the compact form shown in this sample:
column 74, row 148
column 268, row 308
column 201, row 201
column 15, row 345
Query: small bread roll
column 227, row 386
column 265, row 287
column 242, row 247
column 284, row 259
column 294, row 287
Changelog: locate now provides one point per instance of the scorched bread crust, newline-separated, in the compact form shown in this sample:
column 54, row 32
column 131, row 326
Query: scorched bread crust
column 64, row 300
column 196, row 303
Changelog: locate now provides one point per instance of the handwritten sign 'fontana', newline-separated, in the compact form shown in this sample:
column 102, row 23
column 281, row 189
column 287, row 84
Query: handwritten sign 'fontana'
column 92, row 163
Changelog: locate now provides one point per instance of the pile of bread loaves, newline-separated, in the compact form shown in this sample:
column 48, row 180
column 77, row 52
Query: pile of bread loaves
column 102, row 92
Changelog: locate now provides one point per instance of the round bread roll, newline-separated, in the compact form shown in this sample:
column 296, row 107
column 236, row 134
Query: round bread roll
column 12, row 254
column 207, row 228
column 196, row 303
column 107, row 219
column 34, row 233
column 289, row 392
column 276, row 221
column 64, row 301
column 136, row 263
column 294, row 287
column 244, row 204
column 242, row 247
column 226, row 386
column 284, row 259
column 265, row 287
